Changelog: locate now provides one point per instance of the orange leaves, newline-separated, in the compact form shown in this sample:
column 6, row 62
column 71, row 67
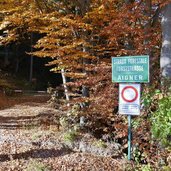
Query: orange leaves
column 163, row 3
column 127, row 31
column 76, row 75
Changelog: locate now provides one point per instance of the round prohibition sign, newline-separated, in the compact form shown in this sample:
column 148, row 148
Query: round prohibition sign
column 133, row 90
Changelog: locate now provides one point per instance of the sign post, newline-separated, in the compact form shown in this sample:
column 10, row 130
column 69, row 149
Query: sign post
column 129, row 70
column 129, row 137
column 129, row 104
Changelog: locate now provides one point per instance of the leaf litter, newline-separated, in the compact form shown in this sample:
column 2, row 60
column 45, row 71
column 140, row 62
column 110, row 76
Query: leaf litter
column 30, row 140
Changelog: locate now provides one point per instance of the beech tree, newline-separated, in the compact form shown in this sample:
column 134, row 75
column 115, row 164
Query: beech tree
column 75, row 32
column 80, row 37
column 165, row 60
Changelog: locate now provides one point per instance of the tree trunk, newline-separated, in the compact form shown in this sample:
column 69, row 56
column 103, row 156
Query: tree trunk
column 17, row 65
column 6, row 60
column 31, row 60
column 84, row 5
column 165, row 59
column 148, row 5
column 17, row 59
column 64, row 83
column 85, row 89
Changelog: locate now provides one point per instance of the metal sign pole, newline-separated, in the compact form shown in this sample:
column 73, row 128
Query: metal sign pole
column 129, row 137
column 130, row 69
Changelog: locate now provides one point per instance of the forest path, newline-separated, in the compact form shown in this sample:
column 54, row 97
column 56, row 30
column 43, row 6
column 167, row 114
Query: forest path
column 30, row 140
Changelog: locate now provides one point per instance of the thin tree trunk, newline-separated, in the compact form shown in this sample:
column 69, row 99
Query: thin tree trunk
column 85, row 89
column 17, row 65
column 84, row 5
column 6, row 60
column 147, row 37
column 165, row 59
column 147, row 26
column 31, row 60
column 64, row 83
column 17, row 60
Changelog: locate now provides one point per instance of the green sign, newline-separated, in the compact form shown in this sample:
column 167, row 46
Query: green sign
column 130, row 69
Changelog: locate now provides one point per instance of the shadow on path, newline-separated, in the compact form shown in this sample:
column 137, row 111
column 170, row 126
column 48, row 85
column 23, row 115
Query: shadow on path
column 36, row 153
column 24, row 121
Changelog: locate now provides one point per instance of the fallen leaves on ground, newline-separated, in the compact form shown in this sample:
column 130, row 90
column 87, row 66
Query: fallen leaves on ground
column 27, row 144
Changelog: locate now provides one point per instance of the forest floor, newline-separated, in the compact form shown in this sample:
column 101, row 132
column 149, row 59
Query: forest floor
column 30, row 140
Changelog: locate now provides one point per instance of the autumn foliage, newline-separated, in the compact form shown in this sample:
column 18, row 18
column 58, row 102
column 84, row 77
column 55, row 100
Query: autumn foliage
column 80, row 38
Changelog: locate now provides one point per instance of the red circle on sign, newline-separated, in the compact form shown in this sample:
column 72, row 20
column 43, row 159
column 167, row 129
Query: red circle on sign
column 129, row 87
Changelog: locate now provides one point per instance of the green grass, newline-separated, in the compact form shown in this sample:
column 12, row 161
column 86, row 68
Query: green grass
column 36, row 166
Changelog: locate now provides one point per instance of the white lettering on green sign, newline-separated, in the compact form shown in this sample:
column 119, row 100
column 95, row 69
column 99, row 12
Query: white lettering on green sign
column 119, row 61
column 137, row 61
column 130, row 69
column 130, row 77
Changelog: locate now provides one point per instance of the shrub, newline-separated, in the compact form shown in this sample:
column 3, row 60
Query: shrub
column 161, row 121
column 70, row 136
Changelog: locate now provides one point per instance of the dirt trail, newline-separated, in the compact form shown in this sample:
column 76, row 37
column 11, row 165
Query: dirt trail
column 29, row 140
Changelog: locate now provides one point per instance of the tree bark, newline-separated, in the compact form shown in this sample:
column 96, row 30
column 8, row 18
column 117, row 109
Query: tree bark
column 85, row 89
column 6, row 60
column 84, row 5
column 17, row 59
column 165, row 59
column 64, row 83
column 31, row 59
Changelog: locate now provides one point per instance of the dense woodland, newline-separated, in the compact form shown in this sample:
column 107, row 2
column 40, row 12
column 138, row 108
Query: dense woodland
column 75, row 40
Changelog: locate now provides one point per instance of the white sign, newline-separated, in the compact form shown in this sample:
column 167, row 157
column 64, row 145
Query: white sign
column 129, row 99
